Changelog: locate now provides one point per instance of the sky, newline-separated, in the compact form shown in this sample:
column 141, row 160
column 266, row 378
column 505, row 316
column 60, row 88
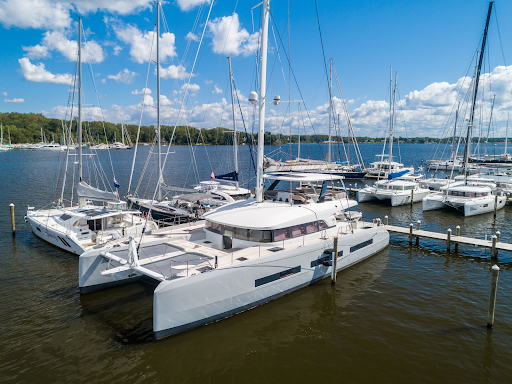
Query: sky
column 431, row 45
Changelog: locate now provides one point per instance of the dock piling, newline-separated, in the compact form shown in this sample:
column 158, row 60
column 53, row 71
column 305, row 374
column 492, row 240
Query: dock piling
column 386, row 220
column 418, row 226
column 13, row 225
column 411, row 226
column 334, row 260
column 498, row 235
column 495, row 205
column 494, row 251
column 448, row 239
column 492, row 299
column 457, row 233
column 412, row 197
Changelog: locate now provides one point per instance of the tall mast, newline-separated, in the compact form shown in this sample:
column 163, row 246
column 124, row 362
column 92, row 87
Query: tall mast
column 454, row 149
column 490, row 122
column 158, row 100
column 330, row 109
column 298, row 148
column 506, row 134
column 263, row 91
column 235, row 143
column 475, row 92
column 79, row 99
column 392, row 125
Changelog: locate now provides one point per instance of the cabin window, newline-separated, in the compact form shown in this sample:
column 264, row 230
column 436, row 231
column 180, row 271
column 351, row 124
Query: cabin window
column 322, row 225
column 298, row 230
column 380, row 186
column 361, row 245
column 281, row 234
column 409, row 187
column 311, row 227
column 398, row 187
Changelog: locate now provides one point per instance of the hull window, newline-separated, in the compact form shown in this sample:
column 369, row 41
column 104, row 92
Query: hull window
column 361, row 245
column 277, row 276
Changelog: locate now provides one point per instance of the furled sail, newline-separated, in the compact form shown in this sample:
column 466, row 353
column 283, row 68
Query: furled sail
column 397, row 174
column 85, row 190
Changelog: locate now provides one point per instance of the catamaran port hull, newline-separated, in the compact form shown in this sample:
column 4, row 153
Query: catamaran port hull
column 186, row 303
column 54, row 237
column 366, row 194
column 469, row 208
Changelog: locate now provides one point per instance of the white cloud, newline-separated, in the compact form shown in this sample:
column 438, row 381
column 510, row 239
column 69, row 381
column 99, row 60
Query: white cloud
column 117, row 50
column 14, row 100
column 187, row 5
column 39, row 74
column 191, row 87
column 37, row 52
column 103, row 81
column 208, row 81
column 4, row 93
column 229, row 38
column 92, row 52
column 216, row 89
column 141, row 43
column 122, row 7
column 125, row 76
column 141, row 92
column 37, row 14
column 192, row 37
column 174, row 72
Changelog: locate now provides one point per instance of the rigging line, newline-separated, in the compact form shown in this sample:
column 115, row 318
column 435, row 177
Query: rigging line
column 297, row 84
column 101, row 109
column 179, row 113
column 501, row 45
column 141, row 112
column 245, row 128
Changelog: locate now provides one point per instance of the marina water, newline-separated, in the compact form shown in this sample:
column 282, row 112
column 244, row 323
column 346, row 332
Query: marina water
column 408, row 314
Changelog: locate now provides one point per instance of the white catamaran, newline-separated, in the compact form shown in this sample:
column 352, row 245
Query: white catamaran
column 78, row 228
column 244, row 254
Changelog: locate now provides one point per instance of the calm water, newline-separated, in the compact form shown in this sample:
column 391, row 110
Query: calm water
column 405, row 315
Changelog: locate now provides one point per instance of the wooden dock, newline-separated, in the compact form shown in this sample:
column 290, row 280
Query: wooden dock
column 414, row 233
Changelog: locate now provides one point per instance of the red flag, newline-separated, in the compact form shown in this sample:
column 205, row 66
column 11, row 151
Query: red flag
column 212, row 176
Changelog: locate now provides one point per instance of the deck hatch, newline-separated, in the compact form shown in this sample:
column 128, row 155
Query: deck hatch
column 277, row 276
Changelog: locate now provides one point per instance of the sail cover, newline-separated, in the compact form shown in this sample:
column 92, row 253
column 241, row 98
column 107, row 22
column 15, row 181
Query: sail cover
column 397, row 174
column 231, row 176
column 85, row 190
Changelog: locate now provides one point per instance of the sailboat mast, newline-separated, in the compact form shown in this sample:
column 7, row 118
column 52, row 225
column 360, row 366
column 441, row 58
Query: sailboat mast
column 298, row 148
column 392, row 125
column 79, row 100
column 158, row 100
column 475, row 92
column 506, row 134
column 263, row 91
column 235, row 141
column 330, row 109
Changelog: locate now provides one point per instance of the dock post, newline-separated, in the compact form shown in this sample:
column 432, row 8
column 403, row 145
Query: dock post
column 412, row 197
column 334, row 260
column 11, row 206
column 457, row 233
column 448, row 239
column 495, row 206
column 386, row 220
column 492, row 299
column 410, row 233
column 494, row 251
column 418, row 226
column 498, row 235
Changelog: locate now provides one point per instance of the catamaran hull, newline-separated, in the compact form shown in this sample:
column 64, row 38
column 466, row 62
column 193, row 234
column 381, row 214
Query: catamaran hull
column 365, row 195
column 469, row 208
column 59, row 239
column 404, row 199
column 184, row 304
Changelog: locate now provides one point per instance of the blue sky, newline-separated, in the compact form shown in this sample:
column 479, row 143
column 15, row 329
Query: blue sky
column 431, row 44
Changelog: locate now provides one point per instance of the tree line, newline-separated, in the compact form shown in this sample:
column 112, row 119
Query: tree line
column 26, row 128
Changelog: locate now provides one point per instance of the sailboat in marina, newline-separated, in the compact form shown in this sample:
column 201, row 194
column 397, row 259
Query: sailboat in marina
column 4, row 147
column 398, row 188
column 77, row 228
column 243, row 254
column 470, row 197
